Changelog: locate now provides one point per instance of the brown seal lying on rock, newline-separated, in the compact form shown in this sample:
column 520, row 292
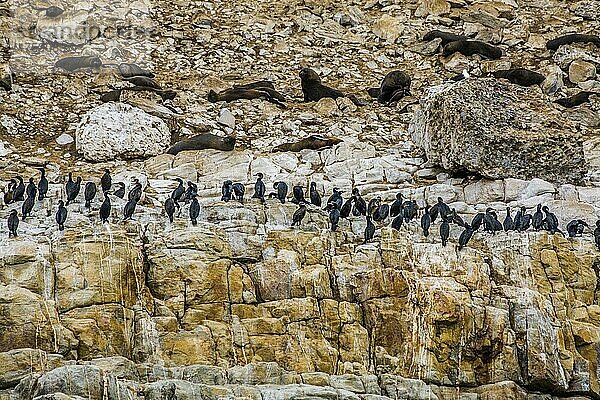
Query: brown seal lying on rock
column 314, row 90
column 255, row 90
column 394, row 86
column 520, row 76
column 470, row 47
column 576, row 99
column 131, row 70
column 115, row 95
column 314, row 142
column 446, row 37
column 554, row 44
column 203, row 141
column 74, row 63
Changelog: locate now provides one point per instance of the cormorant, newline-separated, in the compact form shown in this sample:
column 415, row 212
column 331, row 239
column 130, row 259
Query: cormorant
column 227, row 191
column 465, row 236
column 238, row 191
column 105, row 208
column 89, row 193
column 42, row 185
column 135, row 194
column 397, row 222
column 259, row 188
column 19, row 191
column 410, row 210
column 538, row 218
column 335, row 198
column 61, row 215
column 360, row 205
column 178, row 192
column 106, row 181
column 299, row 214
column 381, row 213
column 28, row 204
column 129, row 209
column 369, row 230
column 315, row 197
column 439, row 208
column 477, row 221
column 170, row 208
column 334, row 215
column 31, row 188
column 120, row 192
column 508, row 224
column 396, row 207
column 576, row 227
column 10, row 192
column 347, row 208
column 190, row 192
column 194, row 211
column 426, row 221
column 374, row 204
column 72, row 188
column 13, row 223
column 282, row 190
column 444, row 230
column 298, row 193
column 550, row 222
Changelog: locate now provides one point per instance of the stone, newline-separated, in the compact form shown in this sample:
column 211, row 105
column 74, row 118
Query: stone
column 226, row 118
column 388, row 28
column 513, row 138
column 580, row 71
column 69, row 28
column 65, row 139
column 432, row 7
column 118, row 130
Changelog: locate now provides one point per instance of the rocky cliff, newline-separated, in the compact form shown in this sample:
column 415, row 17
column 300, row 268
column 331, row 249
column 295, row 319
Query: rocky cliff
column 242, row 306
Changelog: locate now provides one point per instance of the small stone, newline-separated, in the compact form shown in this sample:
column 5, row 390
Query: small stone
column 65, row 139
column 580, row 71
column 226, row 118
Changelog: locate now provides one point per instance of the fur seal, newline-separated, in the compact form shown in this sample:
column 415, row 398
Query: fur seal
column 74, row 63
column 394, row 86
column 313, row 89
column 575, row 100
column 554, row 44
column 203, row 141
column 131, row 70
column 446, row 37
column 520, row 76
column 313, row 142
column 254, row 90
column 470, row 47
column 143, row 81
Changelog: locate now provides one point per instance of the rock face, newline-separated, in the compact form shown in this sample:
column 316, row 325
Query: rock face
column 498, row 130
column 118, row 130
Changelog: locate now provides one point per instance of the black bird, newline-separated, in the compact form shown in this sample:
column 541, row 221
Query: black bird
column 576, row 227
column 120, row 192
column 444, row 231
column 410, row 210
column 334, row 215
column 106, row 181
column 347, row 208
column 178, row 192
column 259, row 188
column 42, row 185
column 524, row 220
column 315, row 197
column 465, row 236
column 129, row 209
column 194, row 211
column 13, row 223
column 335, row 198
column 190, row 192
column 135, row 194
column 360, row 205
column 508, row 224
column 456, row 219
column 170, row 208
column 439, row 208
column 28, row 204
column 19, row 191
column 490, row 222
column 597, row 234
column 397, row 222
column 396, row 208
column 238, row 191
column 89, row 193
column 369, row 230
column 61, row 215
column 373, row 205
column 282, row 190
column 538, row 218
column 550, row 222
column 299, row 214
column 227, row 191
column 105, row 209
column 477, row 221
column 381, row 213
column 31, row 188
column 426, row 221
column 10, row 192
column 72, row 188
column 298, row 193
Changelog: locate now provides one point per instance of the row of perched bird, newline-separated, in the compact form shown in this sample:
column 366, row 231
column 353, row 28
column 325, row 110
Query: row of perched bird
column 401, row 210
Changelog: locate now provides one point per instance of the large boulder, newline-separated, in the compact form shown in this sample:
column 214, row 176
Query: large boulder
column 118, row 130
column 498, row 130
